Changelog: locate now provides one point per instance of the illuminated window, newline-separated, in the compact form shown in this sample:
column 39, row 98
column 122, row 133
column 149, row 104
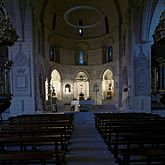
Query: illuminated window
column 81, row 58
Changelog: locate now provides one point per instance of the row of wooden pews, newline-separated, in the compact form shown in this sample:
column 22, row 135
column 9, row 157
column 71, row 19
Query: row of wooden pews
column 35, row 139
column 133, row 138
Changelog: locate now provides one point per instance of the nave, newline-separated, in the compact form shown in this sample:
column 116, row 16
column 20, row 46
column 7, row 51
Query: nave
column 109, row 138
column 31, row 139
column 87, row 146
column 83, row 138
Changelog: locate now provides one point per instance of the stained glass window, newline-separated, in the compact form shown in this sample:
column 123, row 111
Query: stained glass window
column 109, row 54
column 81, row 57
column 51, row 53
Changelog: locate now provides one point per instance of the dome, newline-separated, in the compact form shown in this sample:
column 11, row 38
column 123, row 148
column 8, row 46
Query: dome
column 96, row 18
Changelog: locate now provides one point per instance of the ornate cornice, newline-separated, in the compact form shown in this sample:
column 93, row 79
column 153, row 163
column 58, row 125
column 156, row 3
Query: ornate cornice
column 159, row 34
column 8, row 35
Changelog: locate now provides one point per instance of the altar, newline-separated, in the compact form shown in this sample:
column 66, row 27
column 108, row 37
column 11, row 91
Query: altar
column 86, row 102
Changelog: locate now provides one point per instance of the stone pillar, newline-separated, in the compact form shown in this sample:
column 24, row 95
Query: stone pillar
column 141, row 79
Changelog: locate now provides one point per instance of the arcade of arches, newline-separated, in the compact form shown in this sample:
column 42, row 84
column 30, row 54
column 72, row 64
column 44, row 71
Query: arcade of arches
column 107, row 54
column 80, row 85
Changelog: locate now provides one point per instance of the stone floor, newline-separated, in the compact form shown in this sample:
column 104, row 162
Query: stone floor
column 87, row 146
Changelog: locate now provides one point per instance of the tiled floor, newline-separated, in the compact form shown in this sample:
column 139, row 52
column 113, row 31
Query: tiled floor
column 87, row 146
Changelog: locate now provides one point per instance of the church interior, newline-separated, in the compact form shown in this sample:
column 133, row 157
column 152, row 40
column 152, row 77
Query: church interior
column 108, row 54
column 82, row 63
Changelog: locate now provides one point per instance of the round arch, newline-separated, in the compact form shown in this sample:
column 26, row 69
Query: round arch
column 154, row 19
column 107, row 84
column 82, row 70
column 16, row 18
column 81, row 53
column 55, row 83
column 106, row 68
column 81, row 85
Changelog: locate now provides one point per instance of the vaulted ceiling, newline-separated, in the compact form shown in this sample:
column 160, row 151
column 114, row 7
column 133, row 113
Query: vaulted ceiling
column 97, row 17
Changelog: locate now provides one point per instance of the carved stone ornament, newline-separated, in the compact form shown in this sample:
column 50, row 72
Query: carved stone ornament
column 141, row 70
column 159, row 34
column 8, row 35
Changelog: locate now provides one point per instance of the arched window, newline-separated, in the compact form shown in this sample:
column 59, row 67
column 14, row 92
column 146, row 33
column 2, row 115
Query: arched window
column 54, row 53
column 81, row 53
column 81, row 58
column 109, row 53
column 51, row 53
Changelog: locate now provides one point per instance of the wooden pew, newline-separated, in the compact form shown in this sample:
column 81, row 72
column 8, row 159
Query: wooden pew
column 43, row 117
column 26, row 141
column 154, row 155
column 33, row 139
column 24, row 157
column 144, row 143
column 38, row 132
column 106, row 121
column 126, row 132
column 100, row 118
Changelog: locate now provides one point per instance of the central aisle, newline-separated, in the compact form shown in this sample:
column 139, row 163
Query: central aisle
column 87, row 146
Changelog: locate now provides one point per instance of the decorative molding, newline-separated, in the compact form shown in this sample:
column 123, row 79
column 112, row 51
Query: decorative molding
column 78, row 10
column 20, row 59
column 21, row 82
column 141, row 74
column 22, row 74
column 159, row 33
column 8, row 35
